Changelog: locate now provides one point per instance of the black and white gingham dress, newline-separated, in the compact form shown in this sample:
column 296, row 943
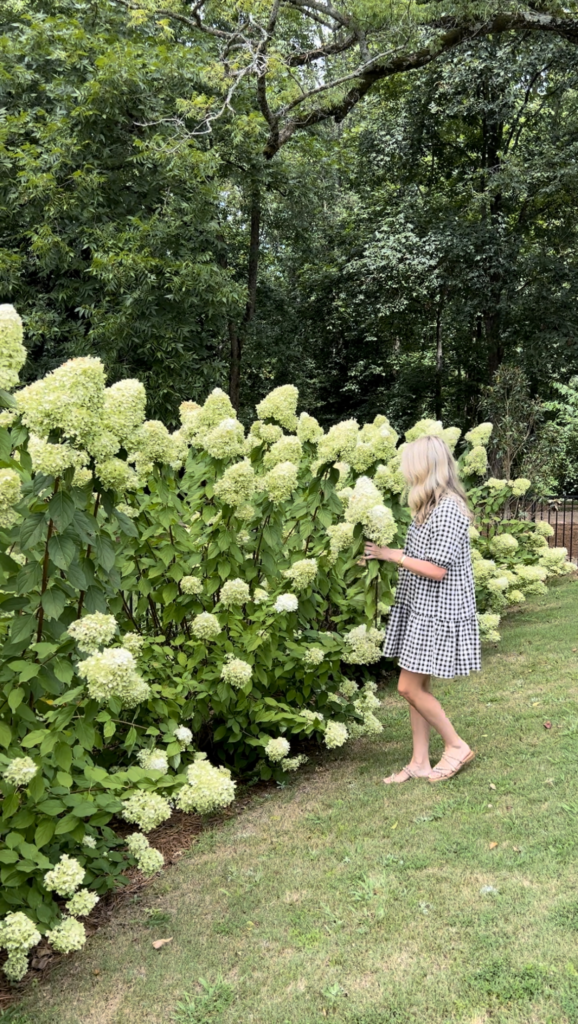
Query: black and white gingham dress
column 433, row 626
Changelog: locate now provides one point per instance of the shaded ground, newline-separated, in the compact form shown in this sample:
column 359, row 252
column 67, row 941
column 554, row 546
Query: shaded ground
column 337, row 899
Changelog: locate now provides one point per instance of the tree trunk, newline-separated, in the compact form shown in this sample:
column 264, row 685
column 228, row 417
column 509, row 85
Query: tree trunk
column 439, row 362
column 237, row 333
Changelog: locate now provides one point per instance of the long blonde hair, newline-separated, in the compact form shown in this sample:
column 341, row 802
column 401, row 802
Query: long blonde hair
column 431, row 474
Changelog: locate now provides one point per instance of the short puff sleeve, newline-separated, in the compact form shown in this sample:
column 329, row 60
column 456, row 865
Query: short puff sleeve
column 449, row 532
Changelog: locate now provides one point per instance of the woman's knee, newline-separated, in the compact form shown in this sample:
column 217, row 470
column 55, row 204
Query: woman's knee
column 409, row 684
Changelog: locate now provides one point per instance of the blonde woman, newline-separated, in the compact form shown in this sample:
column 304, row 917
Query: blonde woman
column 433, row 628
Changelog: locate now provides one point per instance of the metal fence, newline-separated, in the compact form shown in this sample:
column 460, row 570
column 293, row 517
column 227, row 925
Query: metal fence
column 562, row 514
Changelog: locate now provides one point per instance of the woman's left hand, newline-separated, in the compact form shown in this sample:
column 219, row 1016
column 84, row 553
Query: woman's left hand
column 384, row 554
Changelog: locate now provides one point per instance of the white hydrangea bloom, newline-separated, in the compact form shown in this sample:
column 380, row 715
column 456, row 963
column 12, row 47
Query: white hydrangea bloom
column 124, row 405
column 520, row 486
column 280, row 482
column 237, row 484
column 280, row 405
column 495, row 484
column 235, row 592
column 18, row 933
column 475, row 461
column 380, row 525
column 54, row 459
column 136, row 843
column 116, row 475
column 555, row 560
column 313, row 656
column 364, row 498
column 208, row 788
column 335, row 735
column 537, row 540
column 277, row 749
column 340, row 537
column 82, row 903
column 112, row 673
column 302, row 573
column 363, row 645
column 153, row 760
column 291, row 764
column 267, row 432
column 287, row 449
column 82, row 477
column 147, row 810
column 451, row 436
column 226, row 440
column 515, row 597
column 497, row 584
column 70, row 398
column 348, row 688
column 479, row 435
column 191, row 585
column 489, row 627
column 483, row 569
column 308, row 428
column 68, row 936
column 286, row 603
column 543, row 528
column 339, row 442
column 184, row 735
column 151, row 443
column 217, row 408
column 474, row 534
column 236, row 672
column 16, row 965
column 205, row 626
column 390, row 477
column 12, row 351
column 65, row 877
column 20, row 771
column 134, row 643
column 504, row 544
column 531, row 573
column 10, row 494
column 424, row 428
column 362, row 456
column 310, row 715
column 150, row 861
column 260, row 596
column 7, row 418
column 89, row 841
column 128, row 510
column 93, row 631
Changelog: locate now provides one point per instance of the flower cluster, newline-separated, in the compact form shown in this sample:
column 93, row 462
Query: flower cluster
column 479, row 435
column 82, row 903
column 280, row 482
column 93, row 631
column 475, row 462
column 184, row 735
column 12, row 351
column 191, row 585
column 226, row 440
column 116, row 475
column 555, row 560
column 10, row 494
column 335, row 735
column 236, row 672
column 348, row 688
column 65, row 877
column 18, row 934
column 390, row 477
column 308, row 428
column 543, row 528
column 235, row 592
column 489, row 627
column 264, row 432
column 134, row 643
column 302, row 573
column 54, row 459
column 363, row 645
column 153, row 760
column 291, row 764
column 237, row 484
column 205, row 626
column 313, row 656
column 112, row 673
column 339, row 442
column 124, row 407
column 340, row 538
column 147, row 810
column 280, row 405
column 20, row 771
column 520, row 486
column 260, row 596
column 310, row 715
column 365, row 704
column 149, row 860
column 504, row 544
column 208, row 788
column 286, row 603
column 68, row 936
column 496, row 484
column 70, row 399
column 287, row 449
column 277, row 749
column 366, row 507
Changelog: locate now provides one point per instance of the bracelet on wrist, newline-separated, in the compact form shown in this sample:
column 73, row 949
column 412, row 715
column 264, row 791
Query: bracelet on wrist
column 402, row 559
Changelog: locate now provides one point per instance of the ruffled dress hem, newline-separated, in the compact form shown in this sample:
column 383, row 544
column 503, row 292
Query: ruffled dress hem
column 439, row 647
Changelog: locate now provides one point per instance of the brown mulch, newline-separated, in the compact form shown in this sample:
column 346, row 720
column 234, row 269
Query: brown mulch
column 173, row 838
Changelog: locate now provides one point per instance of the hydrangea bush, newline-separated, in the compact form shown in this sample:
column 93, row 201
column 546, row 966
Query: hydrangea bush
column 163, row 594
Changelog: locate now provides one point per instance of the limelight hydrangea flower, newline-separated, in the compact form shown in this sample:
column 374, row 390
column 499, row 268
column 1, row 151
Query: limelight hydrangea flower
column 555, row 561
column 267, row 432
column 260, row 596
column 68, row 936
column 475, row 461
column 537, row 540
column 20, row 771
column 308, row 428
column 277, row 749
column 191, row 585
column 495, row 484
column 287, row 449
column 489, row 627
column 474, row 534
column 54, row 459
column 134, row 643
column 217, row 408
column 390, row 477
column 364, row 497
column 112, row 673
column 483, row 569
column 127, row 510
column 363, row 645
column 520, row 486
column 69, row 398
column 280, row 482
column 153, row 760
column 7, row 418
column 451, row 436
column 82, row 477
column 237, row 484
column 280, row 405
column 10, row 494
column 18, row 934
column 89, row 841
column 147, row 810
column 226, row 440
column 286, row 603
column 208, row 788
column 82, row 903
column 504, row 544
column 93, row 631
column 124, row 409
column 12, row 351
column 205, row 626
column 151, row 443
column 479, row 435
column 302, row 573
column 136, row 843
column 313, row 656
column 515, row 597
column 340, row 441
column 380, row 525
column 544, row 528
column 531, row 573
column 498, row 584
column 116, row 475
column 310, row 715
column 335, row 735
column 150, row 861
column 340, row 537
column 424, row 428
column 235, row 592
column 65, row 877
column 184, row 735
column 348, row 688
column 236, row 672
column 362, row 456
column 291, row 764
column 16, row 965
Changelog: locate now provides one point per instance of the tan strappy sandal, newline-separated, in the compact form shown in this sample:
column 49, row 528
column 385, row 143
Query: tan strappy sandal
column 448, row 773
column 391, row 779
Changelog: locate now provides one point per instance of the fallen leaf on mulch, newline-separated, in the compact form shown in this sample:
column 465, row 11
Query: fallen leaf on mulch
column 493, row 846
column 161, row 942
column 547, row 725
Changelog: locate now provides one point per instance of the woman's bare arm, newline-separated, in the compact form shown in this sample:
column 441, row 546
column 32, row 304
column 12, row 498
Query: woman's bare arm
column 415, row 565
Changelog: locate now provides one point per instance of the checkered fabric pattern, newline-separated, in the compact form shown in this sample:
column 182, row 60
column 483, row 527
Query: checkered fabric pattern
column 433, row 626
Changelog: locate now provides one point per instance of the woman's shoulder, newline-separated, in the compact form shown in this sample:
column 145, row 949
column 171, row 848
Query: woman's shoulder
column 451, row 507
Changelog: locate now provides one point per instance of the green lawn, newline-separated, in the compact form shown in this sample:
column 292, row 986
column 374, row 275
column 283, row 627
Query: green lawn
column 338, row 899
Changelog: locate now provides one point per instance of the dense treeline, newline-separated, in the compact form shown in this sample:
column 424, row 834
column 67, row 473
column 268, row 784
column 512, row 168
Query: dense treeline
column 402, row 260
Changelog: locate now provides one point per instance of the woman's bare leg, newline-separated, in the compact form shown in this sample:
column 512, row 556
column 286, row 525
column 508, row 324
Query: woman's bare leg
column 411, row 686
column 420, row 729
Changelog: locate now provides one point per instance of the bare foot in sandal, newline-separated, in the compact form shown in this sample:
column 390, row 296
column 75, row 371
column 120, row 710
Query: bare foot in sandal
column 451, row 762
column 409, row 772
